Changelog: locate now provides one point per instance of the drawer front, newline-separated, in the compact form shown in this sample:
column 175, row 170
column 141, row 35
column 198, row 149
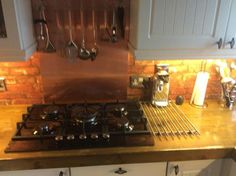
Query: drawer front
column 150, row 169
column 195, row 168
column 38, row 172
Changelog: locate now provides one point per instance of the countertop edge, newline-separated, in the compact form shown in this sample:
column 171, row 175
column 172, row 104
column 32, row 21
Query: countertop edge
column 121, row 158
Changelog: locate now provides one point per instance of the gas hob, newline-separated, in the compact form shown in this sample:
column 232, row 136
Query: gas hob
column 82, row 125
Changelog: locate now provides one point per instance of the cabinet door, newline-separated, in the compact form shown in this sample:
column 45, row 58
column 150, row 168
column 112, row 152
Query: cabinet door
column 3, row 32
column 233, row 168
column 231, row 29
column 182, row 24
column 150, row 169
column 38, row 172
column 195, row 168
column 19, row 43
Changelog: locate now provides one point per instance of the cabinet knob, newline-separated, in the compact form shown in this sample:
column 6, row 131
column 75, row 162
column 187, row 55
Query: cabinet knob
column 232, row 43
column 120, row 171
column 176, row 167
column 61, row 174
column 219, row 43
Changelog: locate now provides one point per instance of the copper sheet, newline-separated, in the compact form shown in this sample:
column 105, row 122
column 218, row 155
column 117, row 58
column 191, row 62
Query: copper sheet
column 105, row 78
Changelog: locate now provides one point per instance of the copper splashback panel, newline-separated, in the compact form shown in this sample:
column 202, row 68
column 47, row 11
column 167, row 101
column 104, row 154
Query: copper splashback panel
column 84, row 89
column 106, row 78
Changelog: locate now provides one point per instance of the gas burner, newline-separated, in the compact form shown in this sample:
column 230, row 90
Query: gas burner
column 121, row 123
column 51, row 112
column 118, row 110
column 85, row 114
column 44, row 129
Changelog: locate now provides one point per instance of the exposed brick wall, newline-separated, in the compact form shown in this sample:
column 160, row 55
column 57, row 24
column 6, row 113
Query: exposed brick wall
column 23, row 82
column 25, row 86
column 182, row 77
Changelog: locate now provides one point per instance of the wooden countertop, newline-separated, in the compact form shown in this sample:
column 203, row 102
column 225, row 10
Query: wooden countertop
column 217, row 126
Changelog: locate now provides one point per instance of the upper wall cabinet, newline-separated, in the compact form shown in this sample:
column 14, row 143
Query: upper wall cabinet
column 17, row 40
column 182, row 28
column 231, row 28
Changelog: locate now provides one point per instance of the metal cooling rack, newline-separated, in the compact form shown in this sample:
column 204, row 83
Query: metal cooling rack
column 168, row 121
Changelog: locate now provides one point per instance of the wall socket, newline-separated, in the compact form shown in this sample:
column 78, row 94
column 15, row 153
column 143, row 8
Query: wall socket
column 2, row 85
column 137, row 81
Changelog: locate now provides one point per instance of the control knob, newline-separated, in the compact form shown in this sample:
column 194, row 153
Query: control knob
column 59, row 138
column 83, row 136
column 70, row 137
column 106, row 135
column 94, row 136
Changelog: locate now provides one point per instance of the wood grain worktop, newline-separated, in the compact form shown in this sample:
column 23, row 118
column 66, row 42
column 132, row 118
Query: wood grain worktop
column 216, row 124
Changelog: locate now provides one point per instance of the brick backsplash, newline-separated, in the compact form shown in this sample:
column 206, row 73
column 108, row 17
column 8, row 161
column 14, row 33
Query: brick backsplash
column 182, row 77
column 25, row 86
column 23, row 82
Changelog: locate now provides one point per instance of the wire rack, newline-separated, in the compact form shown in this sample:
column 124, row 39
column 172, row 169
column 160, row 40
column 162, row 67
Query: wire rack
column 168, row 121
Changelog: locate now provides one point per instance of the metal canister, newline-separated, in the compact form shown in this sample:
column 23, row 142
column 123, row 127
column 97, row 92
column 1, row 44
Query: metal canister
column 160, row 91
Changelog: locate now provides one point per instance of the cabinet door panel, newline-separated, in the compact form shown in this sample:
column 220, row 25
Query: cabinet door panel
column 37, row 172
column 11, row 26
column 159, row 12
column 231, row 30
column 150, row 169
column 183, row 24
column 169, row 16
column 189, row 16
column 19, row 43
column 200, row 14
column 179, row 20
column 210, row 17
column 195, row 168
column 232, row 169
column 3, row 32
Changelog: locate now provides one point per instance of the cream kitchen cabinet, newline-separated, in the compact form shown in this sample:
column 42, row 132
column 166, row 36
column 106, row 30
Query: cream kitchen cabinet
column 144, row 169
column 38, row 172
column 19, row 43
column 229, row 167
column 232, row 168
column 195, row 168
column 182, row 28
column 230, row 37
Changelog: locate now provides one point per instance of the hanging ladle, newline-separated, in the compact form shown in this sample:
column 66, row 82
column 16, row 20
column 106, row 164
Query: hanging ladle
column 41, row 38
column 71, row 48
column 113, row 28
column 94, row 50
column 84, row 53
column 49, row 46
column 106, row 36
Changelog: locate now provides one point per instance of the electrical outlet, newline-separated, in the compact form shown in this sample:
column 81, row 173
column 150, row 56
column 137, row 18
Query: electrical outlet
column 137, row 81
column 2, row 84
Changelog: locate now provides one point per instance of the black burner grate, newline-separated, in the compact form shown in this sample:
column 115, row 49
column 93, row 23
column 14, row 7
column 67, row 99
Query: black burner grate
column 88, row 125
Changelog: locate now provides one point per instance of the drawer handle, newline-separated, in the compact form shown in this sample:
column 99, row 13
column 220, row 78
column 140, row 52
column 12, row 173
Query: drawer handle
column 61, row 173
column 120, row 171
column 232, row 43
column 176, row 167
column 219, row 43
